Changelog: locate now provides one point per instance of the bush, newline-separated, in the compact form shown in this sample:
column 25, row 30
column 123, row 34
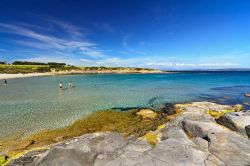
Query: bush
column 56, row 65
column 27, row 63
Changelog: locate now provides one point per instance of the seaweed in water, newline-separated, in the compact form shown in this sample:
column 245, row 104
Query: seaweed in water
column 123, row 109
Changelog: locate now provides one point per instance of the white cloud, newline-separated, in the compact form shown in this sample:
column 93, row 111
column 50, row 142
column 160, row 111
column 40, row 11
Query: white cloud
column 50, row 43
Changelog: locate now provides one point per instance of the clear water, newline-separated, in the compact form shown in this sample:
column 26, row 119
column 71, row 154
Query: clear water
column 29, row 105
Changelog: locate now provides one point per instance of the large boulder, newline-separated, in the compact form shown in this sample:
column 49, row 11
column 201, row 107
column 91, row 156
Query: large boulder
column 75, row 152
column 176, row 148
column 229, row 147
column 216, row 110
column 236, row 121
column 212, row 106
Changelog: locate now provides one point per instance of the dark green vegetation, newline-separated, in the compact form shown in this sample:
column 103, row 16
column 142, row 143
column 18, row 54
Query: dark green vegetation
column 27, row 63
column 2, row 63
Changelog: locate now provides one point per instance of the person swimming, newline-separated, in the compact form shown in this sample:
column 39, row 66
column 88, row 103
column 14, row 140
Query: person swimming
column 60, row 85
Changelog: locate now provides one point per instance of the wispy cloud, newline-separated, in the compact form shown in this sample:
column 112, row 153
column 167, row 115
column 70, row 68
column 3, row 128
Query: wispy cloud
column 36, row 41
column 42, row 44
column 154, row 62
column 125, row 43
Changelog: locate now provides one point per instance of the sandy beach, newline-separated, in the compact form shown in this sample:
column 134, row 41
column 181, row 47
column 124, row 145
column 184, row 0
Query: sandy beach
column 19, row 75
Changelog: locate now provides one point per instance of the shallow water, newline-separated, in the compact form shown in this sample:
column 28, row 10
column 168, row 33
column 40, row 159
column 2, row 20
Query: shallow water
column 29, row 105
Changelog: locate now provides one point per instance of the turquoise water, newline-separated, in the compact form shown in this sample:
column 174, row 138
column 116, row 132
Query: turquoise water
column 29, row 105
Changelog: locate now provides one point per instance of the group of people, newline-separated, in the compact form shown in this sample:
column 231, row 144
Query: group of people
column 70, row 85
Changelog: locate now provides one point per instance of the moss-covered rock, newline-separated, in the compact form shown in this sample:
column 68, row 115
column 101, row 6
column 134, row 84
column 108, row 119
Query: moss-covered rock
column 238, row 107
column 217, row 114
column 147, row 114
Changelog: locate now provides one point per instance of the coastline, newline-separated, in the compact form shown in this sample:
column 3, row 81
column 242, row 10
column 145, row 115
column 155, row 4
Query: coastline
column 12, row 76
column 21, row 75
column 193, row 125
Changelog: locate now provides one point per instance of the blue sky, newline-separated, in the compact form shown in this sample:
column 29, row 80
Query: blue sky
column 166, row 34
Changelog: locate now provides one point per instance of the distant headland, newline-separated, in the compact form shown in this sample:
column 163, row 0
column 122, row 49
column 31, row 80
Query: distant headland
column 19, row 69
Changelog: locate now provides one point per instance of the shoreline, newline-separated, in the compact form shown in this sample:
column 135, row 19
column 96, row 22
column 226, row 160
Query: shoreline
column 21, row 75
column 179, row 121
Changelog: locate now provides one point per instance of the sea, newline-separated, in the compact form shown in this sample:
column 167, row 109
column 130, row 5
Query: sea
column 30, row 105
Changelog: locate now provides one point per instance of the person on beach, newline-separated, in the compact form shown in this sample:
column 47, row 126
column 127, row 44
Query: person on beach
column 5, row 82
column 60, row 85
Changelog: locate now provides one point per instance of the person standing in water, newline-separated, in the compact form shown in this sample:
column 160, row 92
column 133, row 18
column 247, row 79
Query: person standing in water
column 60, row 85
column 5, row 82
column 70, row 84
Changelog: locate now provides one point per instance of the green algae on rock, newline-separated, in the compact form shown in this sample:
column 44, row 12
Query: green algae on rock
column 217, row 114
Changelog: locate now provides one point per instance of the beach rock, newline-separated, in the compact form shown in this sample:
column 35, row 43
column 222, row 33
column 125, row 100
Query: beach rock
column 247, row 94
column 231, row 148
column 247, row 128
column 236, row 121
column 212, row 106
column 28, row 158
column 190, row 108
column 201, row 129
column 203, row 107
column 79, row 151
column 147, row 114
column 227, row 146
column 238, row 107
column 201, row 143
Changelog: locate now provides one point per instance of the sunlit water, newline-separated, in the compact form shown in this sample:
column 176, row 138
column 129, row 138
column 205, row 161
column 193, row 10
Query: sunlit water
column 29, row 105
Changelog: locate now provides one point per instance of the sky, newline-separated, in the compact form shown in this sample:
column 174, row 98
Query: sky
column 163, row 34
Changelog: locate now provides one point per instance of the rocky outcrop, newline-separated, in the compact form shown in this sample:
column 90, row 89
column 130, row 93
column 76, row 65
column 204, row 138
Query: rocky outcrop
column 193, row 138
column 236, row 121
